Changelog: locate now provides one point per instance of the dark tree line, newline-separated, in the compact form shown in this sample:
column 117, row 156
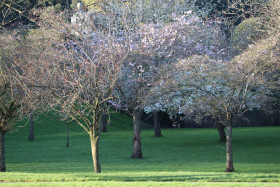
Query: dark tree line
column 13, row 12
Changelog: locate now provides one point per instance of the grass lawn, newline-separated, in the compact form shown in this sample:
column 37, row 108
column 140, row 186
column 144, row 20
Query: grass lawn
column 192, row 157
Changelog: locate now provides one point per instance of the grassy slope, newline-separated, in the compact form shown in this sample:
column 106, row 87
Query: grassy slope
column 181, row 155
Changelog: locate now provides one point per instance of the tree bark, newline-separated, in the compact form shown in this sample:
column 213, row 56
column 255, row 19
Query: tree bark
column 229, row 167
column 2, row 151
column 104, row 123
column 67, row 137
column 222, row 133
column 95, row 153
column 31, row 127
column 157, row 125
column 137, row 152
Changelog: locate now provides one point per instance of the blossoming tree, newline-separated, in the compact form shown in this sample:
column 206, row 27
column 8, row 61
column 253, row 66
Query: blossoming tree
column 155, row 45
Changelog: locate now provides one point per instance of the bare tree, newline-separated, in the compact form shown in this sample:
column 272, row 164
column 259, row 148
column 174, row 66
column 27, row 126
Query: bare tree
column 11, row 11
column 10, row 95
column 74, row 76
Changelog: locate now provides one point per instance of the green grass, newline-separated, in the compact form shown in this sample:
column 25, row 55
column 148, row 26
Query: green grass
column 180, row 157
column 139, row 184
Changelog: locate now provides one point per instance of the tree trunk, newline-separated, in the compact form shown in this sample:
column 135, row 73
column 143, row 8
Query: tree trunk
column 222, row 133
column 95, row 154
column 229, row 150
column 31, row 127
column 2, row 152
column 157, row 125
column 104, row 123
column 67, row 137
column 137, row 152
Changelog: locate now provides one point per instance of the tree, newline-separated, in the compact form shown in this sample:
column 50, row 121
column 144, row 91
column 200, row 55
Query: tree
column 13, row 13
column 80, row 88
column 103, row 123
column 163, row 43
column 260, row 41
column 131, row 88
column 10, row 96
column 77, row 75
column 157, row 124
column 8, row 109
column 264, row 53
column 67, row 137
column 221, row 89
column 184, row 37
column 13, row 10
column 31, row 127
column 230, row 12
column 221, row 131
column 66, row 120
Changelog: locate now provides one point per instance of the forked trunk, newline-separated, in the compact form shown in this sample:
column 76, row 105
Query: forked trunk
column 221, row 130
column 31, row 127
column 157, row 125
column 137, row 152
column 2, row 152
column 67, row 137
column 104, row 123
column 229, row 150
column 95, row 153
